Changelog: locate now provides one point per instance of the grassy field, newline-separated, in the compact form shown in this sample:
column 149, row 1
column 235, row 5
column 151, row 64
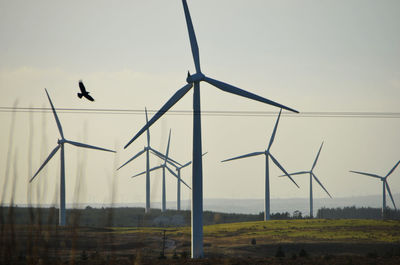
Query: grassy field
column 255, row 242
column 291, row 231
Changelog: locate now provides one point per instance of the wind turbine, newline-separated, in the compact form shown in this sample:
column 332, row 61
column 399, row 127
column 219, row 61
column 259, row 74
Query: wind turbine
column 312, row 175
column 268, row 155
column 385, row 186
column 60, row 145
column 178, row 169
column 164, row 166
column 146, row 149
column 197, row 176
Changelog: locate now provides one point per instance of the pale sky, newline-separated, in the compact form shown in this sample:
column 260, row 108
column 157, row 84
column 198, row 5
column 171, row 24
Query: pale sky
column 313, row 56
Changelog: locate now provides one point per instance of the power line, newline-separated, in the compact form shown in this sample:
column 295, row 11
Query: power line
column 226, row 113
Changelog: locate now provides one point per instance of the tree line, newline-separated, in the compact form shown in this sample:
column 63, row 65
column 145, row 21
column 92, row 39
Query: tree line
column 136, row 217
column 357, row 213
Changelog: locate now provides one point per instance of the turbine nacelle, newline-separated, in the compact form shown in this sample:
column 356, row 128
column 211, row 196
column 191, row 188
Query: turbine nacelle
column 197, row 77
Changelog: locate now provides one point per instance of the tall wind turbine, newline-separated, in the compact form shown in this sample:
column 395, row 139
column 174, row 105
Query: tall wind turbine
column 60, row 145
column 385, row 186
column 268, row 155
column 146, row 149
column 197, row 176
column 164, row 166
column 312, row 176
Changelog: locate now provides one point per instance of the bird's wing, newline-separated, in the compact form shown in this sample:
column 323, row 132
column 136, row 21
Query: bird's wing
column 82, row 87
column 89, row 97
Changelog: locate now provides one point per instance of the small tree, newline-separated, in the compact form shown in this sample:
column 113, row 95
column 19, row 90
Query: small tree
column 297, row 215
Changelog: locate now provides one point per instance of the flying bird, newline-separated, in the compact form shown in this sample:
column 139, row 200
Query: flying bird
column 84, row 93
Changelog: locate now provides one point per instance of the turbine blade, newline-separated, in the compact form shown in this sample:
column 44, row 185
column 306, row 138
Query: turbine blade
column 187, row 164
column 171, row 171
column 175, row 98
column 141, row 173
column 319, row 182
column 244, row 156
column 190, row 162
column 133, row 158
column 176, row 176
column 283, row 170
column 391, row 171
column 166, row 153
column 240, row 92
column 55, row 116
column 274, row 132
column 390, row 194
column 367, row 174
column 89, row 146
column 296, row 173
column 192, row 37
column 152, row 169
column 148, row 130
column 46, row 161
column 168, row 161
column 316, row 159
column 162, row 156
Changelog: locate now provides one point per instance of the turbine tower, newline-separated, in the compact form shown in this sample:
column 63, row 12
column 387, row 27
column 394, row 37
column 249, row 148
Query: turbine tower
column 164, row 166
column 268, row 155
column 312, row 176
column 178, row 184
column 146, row 149
column 60, row 145
column 197, row 176
column 385, row 186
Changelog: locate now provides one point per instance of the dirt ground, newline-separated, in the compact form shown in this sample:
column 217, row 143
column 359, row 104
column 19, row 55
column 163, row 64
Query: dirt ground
column 71, row 245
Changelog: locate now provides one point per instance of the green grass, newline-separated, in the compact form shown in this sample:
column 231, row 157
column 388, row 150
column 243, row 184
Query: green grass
column 313, row 230
column 292, row 231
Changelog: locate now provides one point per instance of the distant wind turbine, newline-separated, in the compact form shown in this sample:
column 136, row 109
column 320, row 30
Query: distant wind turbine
column 164, row 166
column 197, row 176
column 385, row 186
column 312, row 175
column 60, row 145
column 146, row 149
column 178, row 169
column 268, row 155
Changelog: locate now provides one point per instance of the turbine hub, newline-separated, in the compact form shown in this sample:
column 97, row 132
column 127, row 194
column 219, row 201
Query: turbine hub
column 197, row 77
column 61, row 141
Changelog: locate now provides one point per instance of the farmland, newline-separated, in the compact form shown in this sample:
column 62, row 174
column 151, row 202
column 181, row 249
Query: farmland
column 311, row 241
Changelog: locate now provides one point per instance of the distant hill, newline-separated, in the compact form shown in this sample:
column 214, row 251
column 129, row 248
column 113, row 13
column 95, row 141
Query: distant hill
column 255, row 206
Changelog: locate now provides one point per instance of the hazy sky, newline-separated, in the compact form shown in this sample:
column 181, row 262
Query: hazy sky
column 314, row 56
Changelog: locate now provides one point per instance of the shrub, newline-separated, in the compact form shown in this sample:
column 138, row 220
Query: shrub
column 303, row 253
column 84, row 255
column 280, row 253
column 184, row 255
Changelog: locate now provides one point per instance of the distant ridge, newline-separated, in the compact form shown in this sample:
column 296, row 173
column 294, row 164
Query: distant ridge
column 255, row 206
